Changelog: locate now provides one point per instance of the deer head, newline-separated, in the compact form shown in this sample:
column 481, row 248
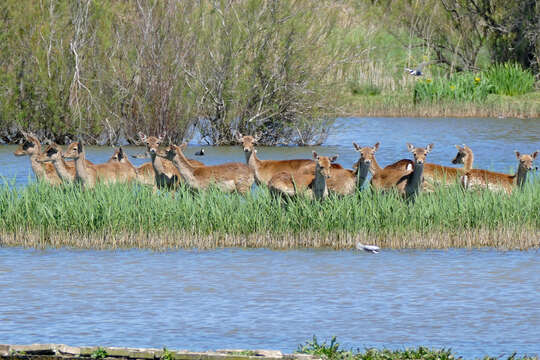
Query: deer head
column 419, row 153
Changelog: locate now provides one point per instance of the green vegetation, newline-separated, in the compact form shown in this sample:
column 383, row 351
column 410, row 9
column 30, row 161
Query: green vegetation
column 503, row 79
column 99, row 354
column 115, row 216
column 510, row 79
column 167, row 354
column 332, row 351
column 106, row 69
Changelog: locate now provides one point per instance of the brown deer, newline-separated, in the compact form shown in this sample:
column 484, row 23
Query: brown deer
column 145, row 172
column 32, row 148
column 444, row 175
column 89, row 175
column 228, row 177
column 346, row 182
column 478, row 178
column 410, row 184
column 53, row 155
column 313, row 185
column 264, row 170
column 165, row 173
column 383, row 178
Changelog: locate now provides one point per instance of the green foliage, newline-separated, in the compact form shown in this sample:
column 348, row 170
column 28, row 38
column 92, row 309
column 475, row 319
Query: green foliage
column 106, row 67
column 509, row 79
column 122, row 209
column 332, row 352
column 167, row 355
column 99, row 354
column 460, row 87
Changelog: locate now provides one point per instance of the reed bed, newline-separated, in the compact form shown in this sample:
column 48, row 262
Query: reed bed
column 122, row 216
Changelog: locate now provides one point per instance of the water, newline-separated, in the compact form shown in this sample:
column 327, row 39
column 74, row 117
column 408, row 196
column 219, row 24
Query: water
column 492, row 140
column 476, row 302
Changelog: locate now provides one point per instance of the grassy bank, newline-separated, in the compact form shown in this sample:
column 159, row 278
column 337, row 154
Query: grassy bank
column 332, row 351
column 116, row 216
column 400, row 103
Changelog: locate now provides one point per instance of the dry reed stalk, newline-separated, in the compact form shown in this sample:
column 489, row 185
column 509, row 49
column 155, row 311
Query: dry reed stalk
column 505, row 239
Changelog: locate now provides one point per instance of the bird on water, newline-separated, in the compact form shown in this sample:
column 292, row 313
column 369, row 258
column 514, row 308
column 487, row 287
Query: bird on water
column 200, row 152
column 368, row 248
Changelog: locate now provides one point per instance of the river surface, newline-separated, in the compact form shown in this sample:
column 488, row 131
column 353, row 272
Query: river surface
column 476, row 302
column 492, row 140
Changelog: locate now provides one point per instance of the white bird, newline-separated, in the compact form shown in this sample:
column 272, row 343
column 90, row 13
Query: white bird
column 368, row 248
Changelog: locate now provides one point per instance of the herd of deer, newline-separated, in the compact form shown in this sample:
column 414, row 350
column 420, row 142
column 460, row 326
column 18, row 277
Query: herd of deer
column 314, row 178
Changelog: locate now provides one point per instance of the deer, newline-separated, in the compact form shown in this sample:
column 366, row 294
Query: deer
column 478, row 178
column 264, row 170
column 144, row 173
column 53, row 155
column 32, row 148
column 166, row 175
column 438, row 174
column 345, row 181
column 89, row 175
column 404, row 175
column 228, row 177
column 410, row 185
column 313, row 185
column 382, row 178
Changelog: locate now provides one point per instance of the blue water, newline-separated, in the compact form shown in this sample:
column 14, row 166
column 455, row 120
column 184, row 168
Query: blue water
column 476, row 302
column 492, row 140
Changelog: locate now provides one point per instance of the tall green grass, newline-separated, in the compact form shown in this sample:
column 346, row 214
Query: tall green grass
column 502, row 79
column 136, row 213
column 460, row 87
column 509, row 79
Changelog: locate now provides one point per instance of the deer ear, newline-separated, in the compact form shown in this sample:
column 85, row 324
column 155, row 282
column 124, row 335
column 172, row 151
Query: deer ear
column 356, row 146
column 239, row 136
column 120, row 153
column 315, row 156
column 162, row 136
column 80, row 148
column 410, row 147
column 257, row 137
column 429, row 148
column 333, row 158
column 376, row 146
column 183, row 146
column 142, row 136
column 518, row 154
column 457, row 147
column 534, row 155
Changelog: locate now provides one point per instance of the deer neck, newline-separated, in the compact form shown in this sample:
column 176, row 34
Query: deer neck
column 415, row 179
column 362, row 170
column 252, row 160
column 38, row 168
column 61, row 170
column 185, row 169
column 468, row 162
column 319, row 184
column 81, row 171
column 374, row 167
column 157, row 164
column 521, row 177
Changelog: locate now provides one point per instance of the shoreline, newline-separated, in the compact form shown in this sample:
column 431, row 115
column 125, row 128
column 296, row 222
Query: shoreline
column 500, row 239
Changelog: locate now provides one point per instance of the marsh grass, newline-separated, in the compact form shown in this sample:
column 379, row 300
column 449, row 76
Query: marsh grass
column 118, row 216
column 332, row 351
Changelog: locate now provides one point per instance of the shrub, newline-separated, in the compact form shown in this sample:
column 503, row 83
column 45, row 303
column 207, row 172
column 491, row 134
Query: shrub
column 460, row 87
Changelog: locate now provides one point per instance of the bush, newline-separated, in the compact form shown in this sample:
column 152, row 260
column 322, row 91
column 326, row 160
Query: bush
column 509, row 79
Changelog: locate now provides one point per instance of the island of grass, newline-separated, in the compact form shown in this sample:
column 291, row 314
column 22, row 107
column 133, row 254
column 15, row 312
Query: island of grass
column 131, row 216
